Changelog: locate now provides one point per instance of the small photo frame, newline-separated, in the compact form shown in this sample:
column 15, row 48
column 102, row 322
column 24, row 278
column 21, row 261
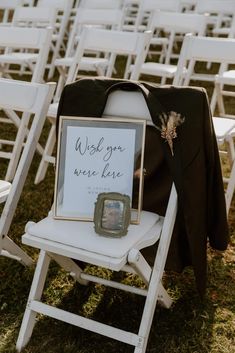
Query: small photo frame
column 112, row 214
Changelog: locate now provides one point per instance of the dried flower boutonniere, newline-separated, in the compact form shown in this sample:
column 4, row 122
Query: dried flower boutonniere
column 169, row 122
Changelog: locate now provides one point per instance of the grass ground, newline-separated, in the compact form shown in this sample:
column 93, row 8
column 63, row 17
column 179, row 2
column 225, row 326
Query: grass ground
column 191, row 325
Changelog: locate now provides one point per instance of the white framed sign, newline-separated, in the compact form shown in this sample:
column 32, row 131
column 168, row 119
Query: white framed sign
column 97, row 155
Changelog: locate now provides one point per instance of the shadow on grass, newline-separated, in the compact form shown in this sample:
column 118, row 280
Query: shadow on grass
column 187, row 327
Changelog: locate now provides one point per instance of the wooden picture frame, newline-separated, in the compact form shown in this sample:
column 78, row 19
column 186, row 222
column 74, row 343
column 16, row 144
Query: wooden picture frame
column 97, row 155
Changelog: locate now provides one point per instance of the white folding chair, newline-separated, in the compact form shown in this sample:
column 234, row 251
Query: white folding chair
column 145, row 11
column 221, row 51
column 174, row 24
column 147, row 7
column 7, row 8
column 108, row 41
column 104, row 18
column 32, row 16
column 63, row 8
column 12, row 96
column 13, row 40
column 17, row 38
column 226, row 76
column 63, row 241
column 97, row 5
column 219, row 13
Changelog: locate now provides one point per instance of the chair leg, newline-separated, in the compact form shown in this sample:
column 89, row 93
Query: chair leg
column 142, row 268
column 70, row 266
column 12, row 250
column 37, row 286
column 42, row 169
column 230, row 188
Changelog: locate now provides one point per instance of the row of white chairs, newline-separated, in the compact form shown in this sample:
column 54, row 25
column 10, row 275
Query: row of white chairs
column 75, row 63
column 186, row 23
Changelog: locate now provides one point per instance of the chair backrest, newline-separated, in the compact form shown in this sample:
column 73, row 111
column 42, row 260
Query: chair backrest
column 177, row 23
column 7, row 8
column 38, row 39
column 34, row 16
column 164, row 5
column 113, row 42
column 215, row 6
column 28, row 98
column 146, row 7
column 219, row 11
column 127, row 104
column 100, row 4
column 204, row 49
column 106, row 18
column 63, row 8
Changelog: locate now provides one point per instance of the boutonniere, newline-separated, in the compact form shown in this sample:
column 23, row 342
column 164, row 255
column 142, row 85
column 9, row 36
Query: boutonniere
column 169, row 123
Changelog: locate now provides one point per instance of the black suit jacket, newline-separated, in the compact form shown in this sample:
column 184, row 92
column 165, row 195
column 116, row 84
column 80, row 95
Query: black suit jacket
column 194, row 168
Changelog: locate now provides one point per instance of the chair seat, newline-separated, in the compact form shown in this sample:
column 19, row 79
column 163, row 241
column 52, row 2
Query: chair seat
column 152, row 68
column 223, row 127
column 87, row 63
column 18, row 58
column 79, row 238
column 159, row 41
column 227, row 77
column 4, row 190
column 52, row 111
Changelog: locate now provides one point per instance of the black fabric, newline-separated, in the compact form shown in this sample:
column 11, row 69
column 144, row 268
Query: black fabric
column 194, row 168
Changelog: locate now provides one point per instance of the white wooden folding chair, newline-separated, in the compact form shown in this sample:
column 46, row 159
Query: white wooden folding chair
column 147, row 7
column 32, row 16
column 63, row 241
column 221, row 51
column 98, row 5
column 30, row 98
column 219, row 13
column 16, row 38
column 114, row 42
column 7, row 8
column 145, row 11
column 63, row 8
column 13, row 40
column 175, row 24
column 226, row 76
column 104, row 18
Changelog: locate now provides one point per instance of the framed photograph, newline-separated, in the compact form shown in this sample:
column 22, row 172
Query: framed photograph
column 94, row 156
column 112, row 214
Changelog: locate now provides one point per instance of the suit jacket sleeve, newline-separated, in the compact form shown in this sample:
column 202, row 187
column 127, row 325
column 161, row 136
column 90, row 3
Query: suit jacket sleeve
column 217, row 218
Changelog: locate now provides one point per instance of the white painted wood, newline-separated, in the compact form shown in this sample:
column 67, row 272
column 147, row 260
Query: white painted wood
column 63, row 8
column 7, row 8
column 110, row 42
column 65, row 240
column 221, row 51
column 16, row 38
column 88, row 324
column 174, row 24
column 11, row 39
column 36, row 101
column 4, row 190
column 35, row 294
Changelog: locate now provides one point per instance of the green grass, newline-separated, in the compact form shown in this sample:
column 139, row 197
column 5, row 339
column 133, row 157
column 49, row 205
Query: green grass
column 191, row 325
